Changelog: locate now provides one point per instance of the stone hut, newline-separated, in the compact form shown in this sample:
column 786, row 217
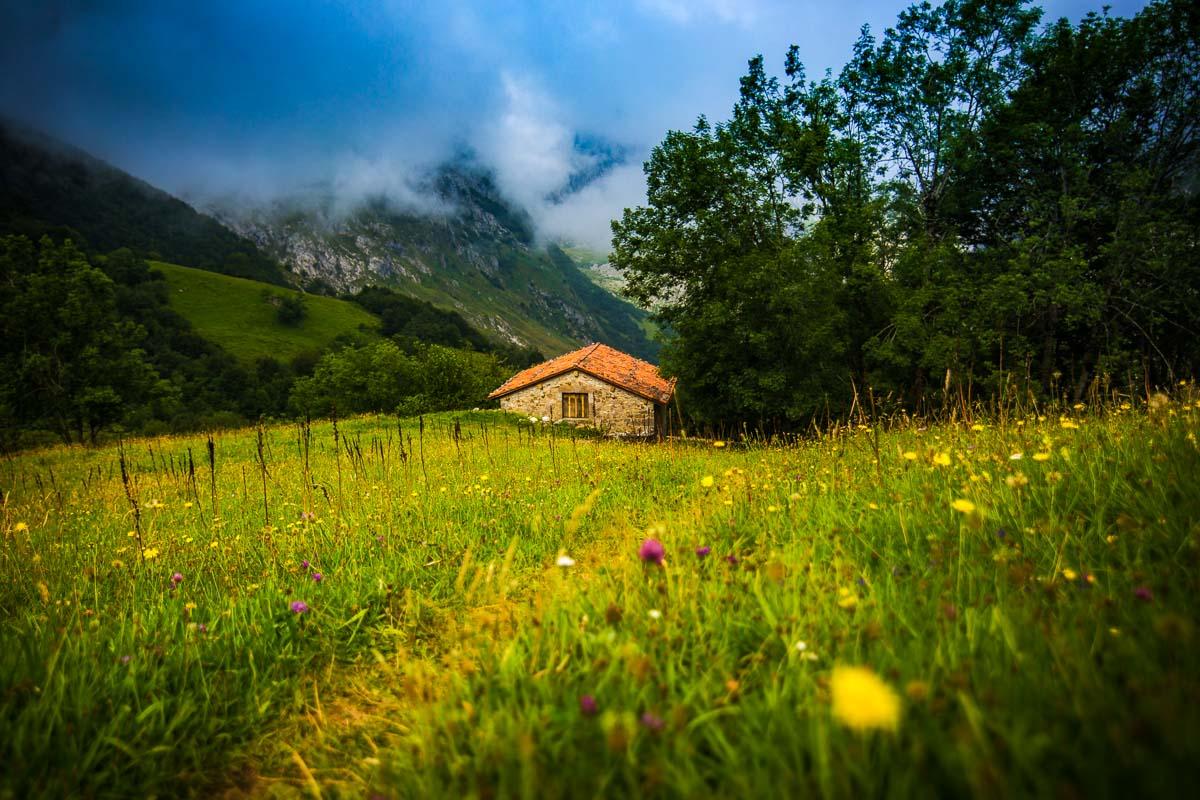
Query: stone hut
column 595, row 386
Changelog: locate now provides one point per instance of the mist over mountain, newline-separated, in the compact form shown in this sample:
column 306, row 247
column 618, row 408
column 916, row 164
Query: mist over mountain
column 51, row 187
column 447, row 235
column 463, row 244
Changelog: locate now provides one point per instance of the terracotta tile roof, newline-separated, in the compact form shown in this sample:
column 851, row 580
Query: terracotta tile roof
column 599, row 361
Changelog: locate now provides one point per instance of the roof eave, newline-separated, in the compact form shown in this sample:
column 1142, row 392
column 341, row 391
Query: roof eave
column 498, row 393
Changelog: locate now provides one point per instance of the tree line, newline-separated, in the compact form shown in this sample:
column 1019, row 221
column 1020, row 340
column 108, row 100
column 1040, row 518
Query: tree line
column 976, row 203
column 89, row 343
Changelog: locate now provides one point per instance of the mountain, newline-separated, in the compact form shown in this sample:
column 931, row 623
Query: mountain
column 467, row 248
column 48, row 187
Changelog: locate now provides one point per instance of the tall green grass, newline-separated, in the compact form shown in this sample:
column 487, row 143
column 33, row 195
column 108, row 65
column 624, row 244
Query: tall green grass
column 1041, row 640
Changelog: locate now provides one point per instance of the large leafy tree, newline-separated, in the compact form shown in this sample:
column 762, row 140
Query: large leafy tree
column 762, row 314
column 972, row 203
column 1087, row 182
column 69, row 361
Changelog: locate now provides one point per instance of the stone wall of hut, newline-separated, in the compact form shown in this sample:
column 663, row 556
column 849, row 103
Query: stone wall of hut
column 610, row 408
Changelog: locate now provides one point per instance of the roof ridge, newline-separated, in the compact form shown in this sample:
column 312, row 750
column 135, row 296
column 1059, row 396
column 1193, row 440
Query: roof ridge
column 591, row 349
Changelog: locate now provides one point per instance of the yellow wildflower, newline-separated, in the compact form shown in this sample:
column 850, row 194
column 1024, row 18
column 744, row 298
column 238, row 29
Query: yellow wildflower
column 942, row 459
column 706, row 481
column 44, row 591
column 20, row 527
column 847, row 599
column 150, row 553
column 1017, row 480
column 1070, row 574
column 718, row 443
column 963, row 505
column 977, row 427
column 910, row 455
column 1041, row 456
column 862, row 702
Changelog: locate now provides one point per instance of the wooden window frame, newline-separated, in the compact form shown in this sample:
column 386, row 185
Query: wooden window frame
column 575, row 401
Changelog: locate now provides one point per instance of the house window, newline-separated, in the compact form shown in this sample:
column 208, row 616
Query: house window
column 575, row 405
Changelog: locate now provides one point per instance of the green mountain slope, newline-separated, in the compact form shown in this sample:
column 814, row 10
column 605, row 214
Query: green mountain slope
column 475, row 254
column 233, row 313
column 48, row 187
column 467, row 249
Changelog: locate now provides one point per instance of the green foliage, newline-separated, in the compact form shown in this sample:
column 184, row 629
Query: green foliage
column 411, row 321
column 68, row 361
column 973, row 206
column 290, row 309
column 90, row 347
column 382, row 377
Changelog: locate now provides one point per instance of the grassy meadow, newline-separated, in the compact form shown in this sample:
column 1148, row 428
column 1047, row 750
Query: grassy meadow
column 476, row 606
column 232, row 313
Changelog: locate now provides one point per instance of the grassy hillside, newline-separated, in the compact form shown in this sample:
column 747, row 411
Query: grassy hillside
column 473, row 606
column 481, row 261
column 232, row 313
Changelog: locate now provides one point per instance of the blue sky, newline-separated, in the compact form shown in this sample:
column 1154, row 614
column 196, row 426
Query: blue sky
column 258, row 97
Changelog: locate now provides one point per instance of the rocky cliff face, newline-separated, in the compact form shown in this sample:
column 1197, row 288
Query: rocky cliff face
column 466, row 248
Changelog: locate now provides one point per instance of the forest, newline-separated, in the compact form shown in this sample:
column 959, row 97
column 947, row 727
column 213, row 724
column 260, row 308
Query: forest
column 976, row 207
column 89, row 346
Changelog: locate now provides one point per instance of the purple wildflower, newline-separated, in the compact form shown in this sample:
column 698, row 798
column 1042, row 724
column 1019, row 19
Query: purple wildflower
column 652, row 551
column 126, row 659
column 307, row 516
column 701, row 552
column 304, row 564
column 1143, row 593
column 202, row 628
column 587, row 705
column 653, row 721
column 731, row 559
column 177, row 578
column 317, row 577
column 1001, row 533
column 299, row 607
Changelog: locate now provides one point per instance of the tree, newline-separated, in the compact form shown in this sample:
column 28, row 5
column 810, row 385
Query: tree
column 972, row 202
column 69, row 360
column 290, row 309
column 382, row 377
column 756, row 250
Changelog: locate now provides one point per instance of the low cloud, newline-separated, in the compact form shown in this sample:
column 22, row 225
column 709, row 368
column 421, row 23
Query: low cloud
column 530, row 148
column 585, row 217
column 534, row 152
